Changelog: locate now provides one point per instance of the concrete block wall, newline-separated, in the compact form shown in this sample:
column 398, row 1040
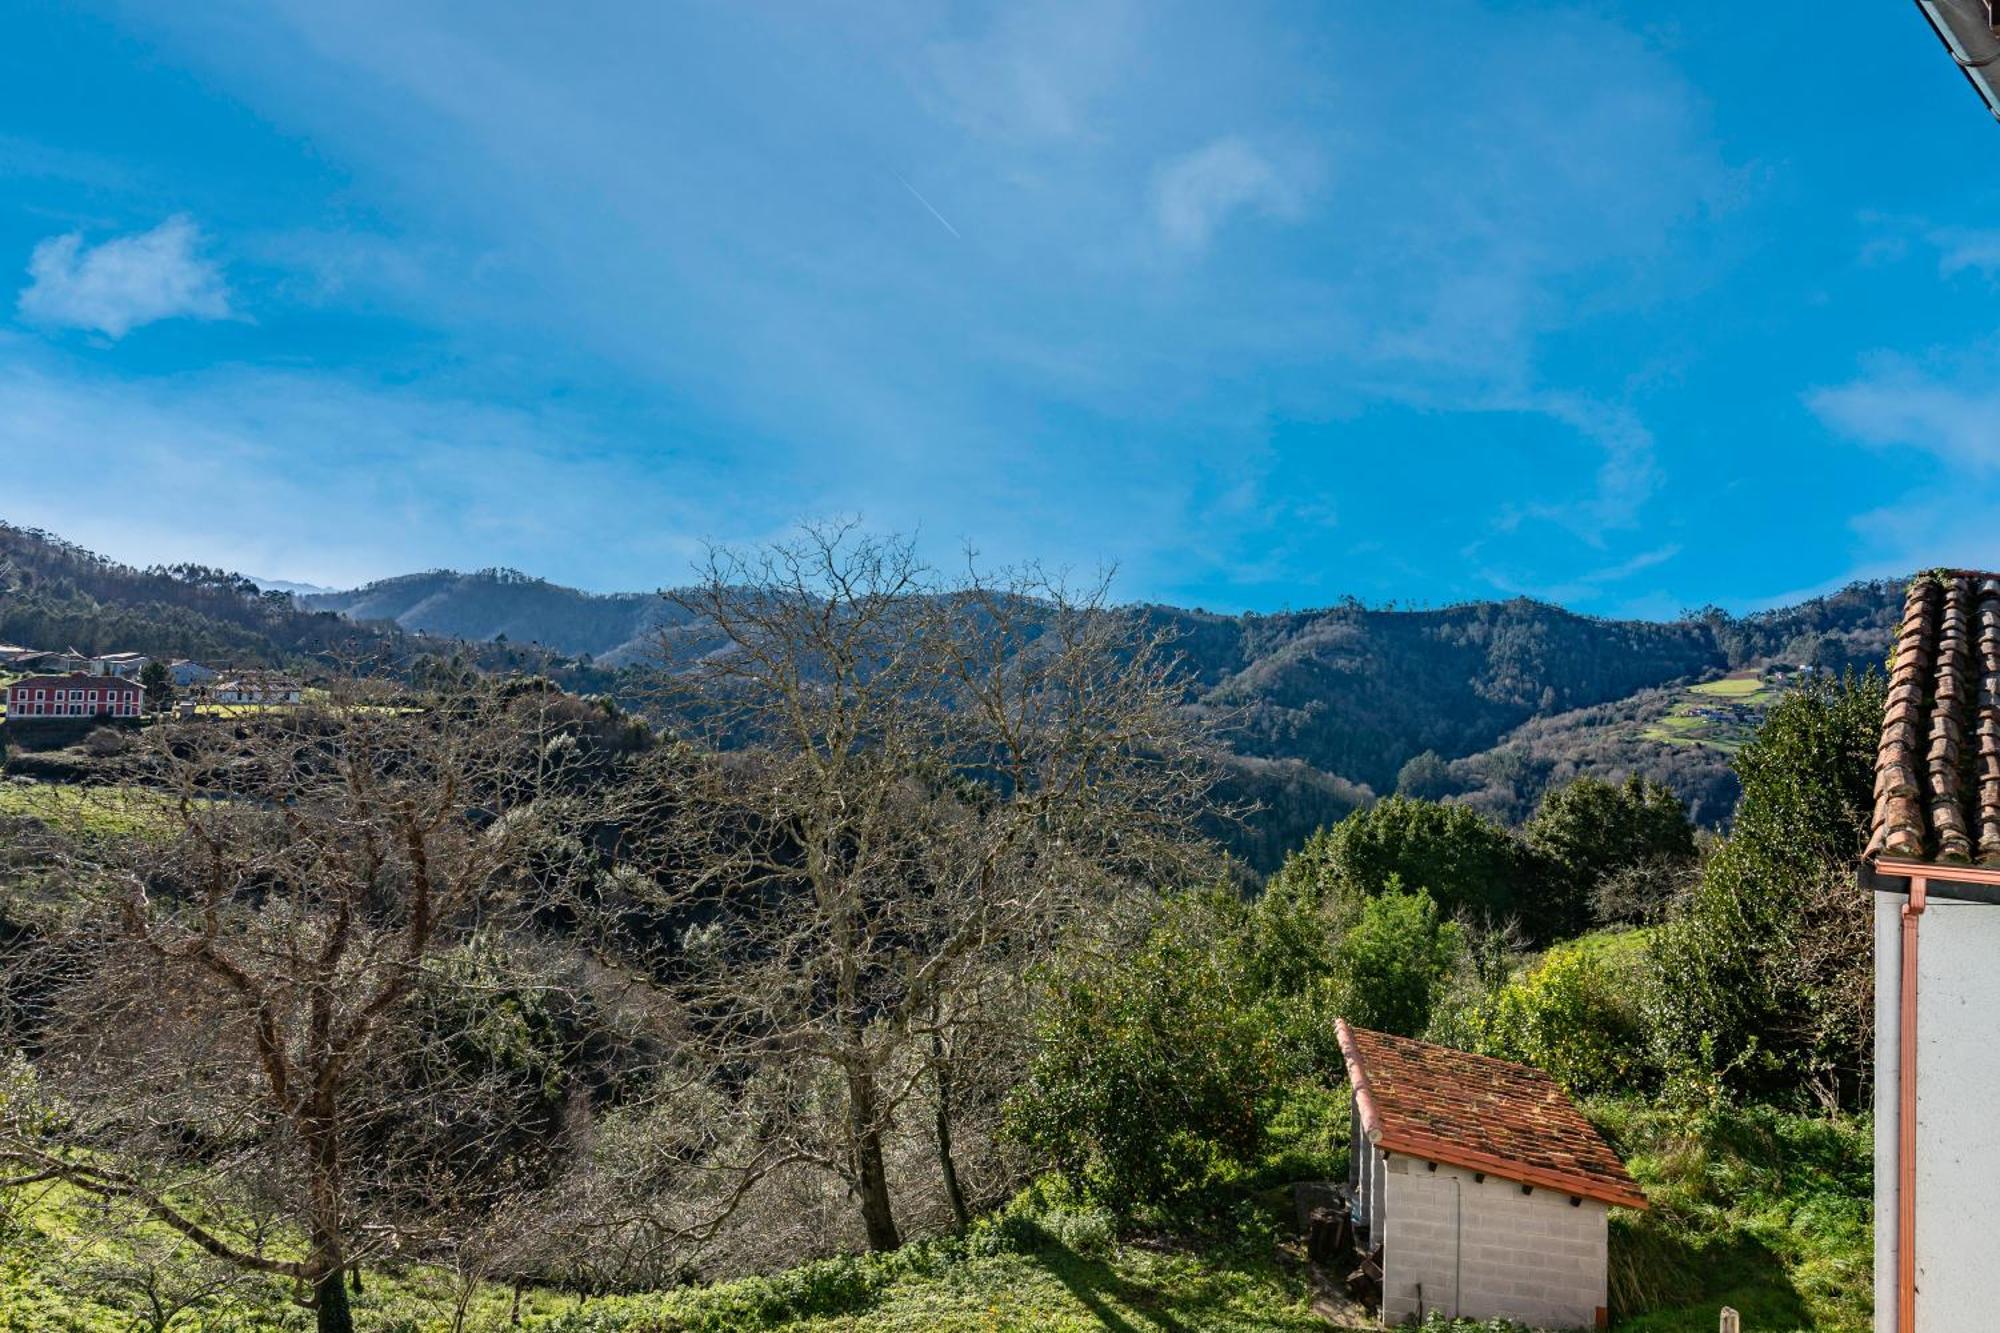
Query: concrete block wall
column 1420, row 1252
column 1484, row 1250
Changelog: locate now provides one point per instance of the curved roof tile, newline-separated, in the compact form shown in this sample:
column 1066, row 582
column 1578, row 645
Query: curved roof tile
column 1481, row 1114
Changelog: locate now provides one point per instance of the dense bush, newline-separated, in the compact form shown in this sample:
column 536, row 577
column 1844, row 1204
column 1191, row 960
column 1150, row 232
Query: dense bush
column 1153, row 1073
column 1391, row 964
column 1762, row 977
column 1588, row 830
column 1576, row 1013
column 1465, row 861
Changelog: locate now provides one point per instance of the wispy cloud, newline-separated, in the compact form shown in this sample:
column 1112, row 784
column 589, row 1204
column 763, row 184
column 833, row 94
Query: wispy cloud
column 1586, row 586
column 307, row 476
column 1942, row 513
column 1071, row 381
column 1897, row 405
column 1197, row 193
column 118, row 285
column 1036, row 72
column 1962, row 249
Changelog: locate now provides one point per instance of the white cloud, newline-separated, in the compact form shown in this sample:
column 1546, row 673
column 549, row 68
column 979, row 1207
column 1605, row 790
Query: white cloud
column 1945, row 516
column 117, row 286
column 1035, row 74
column 1585, row 586
column 1898, row 406
column 1961, row 249
column 1194, row 195
column 312, row 477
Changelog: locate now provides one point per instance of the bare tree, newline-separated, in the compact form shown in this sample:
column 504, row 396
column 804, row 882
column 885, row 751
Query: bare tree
column 250, row 1015
column 892, row 789
column 161, row 1279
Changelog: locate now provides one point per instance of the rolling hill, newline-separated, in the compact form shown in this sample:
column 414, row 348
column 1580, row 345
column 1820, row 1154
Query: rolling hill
column 503, row 603
column 1321, row 709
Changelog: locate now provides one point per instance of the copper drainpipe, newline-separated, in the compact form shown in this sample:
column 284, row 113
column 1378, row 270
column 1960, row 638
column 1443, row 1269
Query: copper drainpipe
column 1906, row 1118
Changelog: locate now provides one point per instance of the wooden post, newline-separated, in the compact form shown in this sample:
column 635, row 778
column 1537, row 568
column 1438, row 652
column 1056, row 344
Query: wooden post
column 1731, row 1321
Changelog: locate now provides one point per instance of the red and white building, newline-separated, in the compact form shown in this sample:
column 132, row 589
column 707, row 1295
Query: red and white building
column 73, row 695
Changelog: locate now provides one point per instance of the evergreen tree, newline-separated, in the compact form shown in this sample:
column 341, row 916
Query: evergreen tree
column 159, row 686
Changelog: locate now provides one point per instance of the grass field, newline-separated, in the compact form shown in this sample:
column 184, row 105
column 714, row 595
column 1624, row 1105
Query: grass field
column 1684, row 725
column 62, row 1267
column 1762, row 1210
column 1739, row 689
column 103, row 811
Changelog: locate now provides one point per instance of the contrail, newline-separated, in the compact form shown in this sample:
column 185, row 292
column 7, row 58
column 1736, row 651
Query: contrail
column 942, row 220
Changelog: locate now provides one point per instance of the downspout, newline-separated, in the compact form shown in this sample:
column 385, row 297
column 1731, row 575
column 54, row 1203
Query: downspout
column 1906, row 1117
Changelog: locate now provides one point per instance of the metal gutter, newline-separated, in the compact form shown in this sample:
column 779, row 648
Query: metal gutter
column 1967, row 29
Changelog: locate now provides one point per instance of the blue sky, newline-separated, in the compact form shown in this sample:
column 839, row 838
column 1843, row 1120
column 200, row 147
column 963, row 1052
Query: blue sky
column 1632, row 307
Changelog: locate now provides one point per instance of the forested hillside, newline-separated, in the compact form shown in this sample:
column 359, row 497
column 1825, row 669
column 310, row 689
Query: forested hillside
column 504, row 603
column 1321, row 711
column 467, row 1003
column 55, row 595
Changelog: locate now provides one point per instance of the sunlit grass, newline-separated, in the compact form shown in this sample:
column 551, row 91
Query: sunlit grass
column 111, row 811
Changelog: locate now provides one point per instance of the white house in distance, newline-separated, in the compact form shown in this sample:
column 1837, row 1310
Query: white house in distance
column 126, row 666
column 257, row 689
column 1485, row 1190
column 1933, row 862
column 78, row 694
column 186, row 674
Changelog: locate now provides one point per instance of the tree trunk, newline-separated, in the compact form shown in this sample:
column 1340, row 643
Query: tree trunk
column 952, row 1192
column 871, row 1178
column 330, row 1301
column 330, row 1304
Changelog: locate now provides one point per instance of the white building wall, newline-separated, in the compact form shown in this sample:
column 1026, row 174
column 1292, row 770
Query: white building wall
column 1958, row 1087
column 1484, row 1250
column 1888, row 984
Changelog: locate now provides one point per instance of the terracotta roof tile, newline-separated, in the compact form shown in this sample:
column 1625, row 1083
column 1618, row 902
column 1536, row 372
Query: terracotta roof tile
column 1481, row 1114
column 1937, row 768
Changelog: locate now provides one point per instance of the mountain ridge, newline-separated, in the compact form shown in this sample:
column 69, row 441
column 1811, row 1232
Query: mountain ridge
column 1321, row 710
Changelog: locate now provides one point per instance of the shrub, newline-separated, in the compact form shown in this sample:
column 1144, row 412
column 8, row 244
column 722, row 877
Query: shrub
column 1393, row 962
column 1576, row 1014
column 1589, row 830
column 1154, row 1073
column 1465, row 860
column 1762, row 975
column 1052, row 1210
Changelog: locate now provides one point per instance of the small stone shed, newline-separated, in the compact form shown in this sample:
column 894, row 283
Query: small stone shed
column 1483, row 1187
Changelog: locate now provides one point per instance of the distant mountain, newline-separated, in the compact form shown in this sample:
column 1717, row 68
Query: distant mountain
column 286, row 585
column 1321, row 709
column 490, row 604
column 54, row 594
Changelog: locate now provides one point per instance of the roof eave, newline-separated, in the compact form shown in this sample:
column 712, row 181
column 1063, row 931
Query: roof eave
column 1471, row 1159
column 1970, row 42
column 1942, row 879
column 1357, row 1078
column 1454, row 1154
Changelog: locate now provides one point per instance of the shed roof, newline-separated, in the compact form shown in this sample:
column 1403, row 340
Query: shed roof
column 1482, row 1114
column 1937, row 768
